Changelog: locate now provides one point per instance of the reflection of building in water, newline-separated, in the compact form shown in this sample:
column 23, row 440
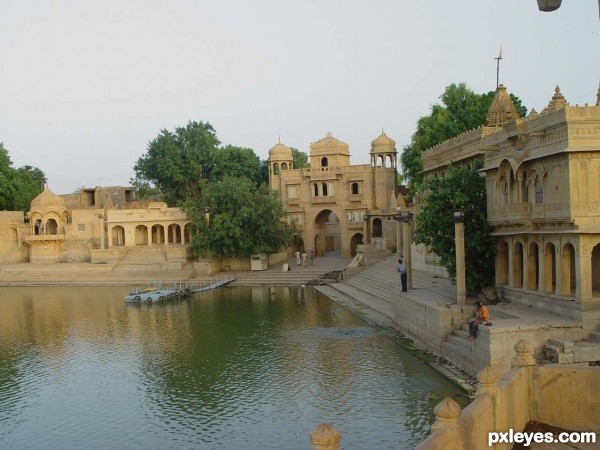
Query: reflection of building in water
column 336, row 205
column 103, row 224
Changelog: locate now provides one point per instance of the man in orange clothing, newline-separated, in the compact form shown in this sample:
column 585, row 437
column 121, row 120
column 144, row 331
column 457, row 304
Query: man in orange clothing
column 483, row 316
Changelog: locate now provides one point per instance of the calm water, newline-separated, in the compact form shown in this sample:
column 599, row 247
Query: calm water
column 238, row 368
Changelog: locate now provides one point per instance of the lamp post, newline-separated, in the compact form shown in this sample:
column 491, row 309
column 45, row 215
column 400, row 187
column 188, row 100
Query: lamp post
column 406, row 218
column 459, row 240
column 398, row 219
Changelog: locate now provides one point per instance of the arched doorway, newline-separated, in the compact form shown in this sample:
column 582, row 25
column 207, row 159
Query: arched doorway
column 549, row 268
column 354, row 241
column 141, row 235
column 51, row 227
column 533, row 267
column 596, row 269
column 117, row 236
column 518, row 265
column 377, row 228
column 158, row 234
column 174, row 234
column 327, row 232
column 567, row 270
column 502, row 263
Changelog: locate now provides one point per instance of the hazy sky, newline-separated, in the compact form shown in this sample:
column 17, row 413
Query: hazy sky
column 85, row 85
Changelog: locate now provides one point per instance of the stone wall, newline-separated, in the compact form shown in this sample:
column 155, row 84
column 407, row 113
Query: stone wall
column 562, row 396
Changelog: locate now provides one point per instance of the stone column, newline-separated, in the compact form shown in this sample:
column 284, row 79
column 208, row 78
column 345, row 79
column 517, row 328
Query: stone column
column 459, row 238
column 325, row 437
column 583, row 273
column 102, row 233
column 407, row 252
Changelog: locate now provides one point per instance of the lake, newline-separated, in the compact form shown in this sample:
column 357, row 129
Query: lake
column 233, row 368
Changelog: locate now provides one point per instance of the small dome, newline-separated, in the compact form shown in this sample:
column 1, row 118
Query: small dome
column 382, row 143
column 329, row 144
column 48, row 199
column 280, row 152
column 502, row 109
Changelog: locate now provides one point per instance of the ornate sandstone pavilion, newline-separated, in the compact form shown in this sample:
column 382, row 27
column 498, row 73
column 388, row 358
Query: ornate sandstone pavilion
column 102, row 224
column 336, row 205
column 543, row 201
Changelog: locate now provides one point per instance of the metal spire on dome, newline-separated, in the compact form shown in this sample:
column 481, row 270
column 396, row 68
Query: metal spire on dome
column 598, row 94
column 498, row 67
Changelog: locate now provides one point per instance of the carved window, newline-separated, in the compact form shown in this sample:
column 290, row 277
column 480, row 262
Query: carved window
column 316, row 189
column 355, row 188
column 276, row 169
column 324, row 186
column 324, row 162
column 539, row 190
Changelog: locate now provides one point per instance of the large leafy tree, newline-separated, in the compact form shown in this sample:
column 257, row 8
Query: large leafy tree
column 235, row 217
column 18, row 186
column 461, row 110
column 460, row 188
column 176, row 161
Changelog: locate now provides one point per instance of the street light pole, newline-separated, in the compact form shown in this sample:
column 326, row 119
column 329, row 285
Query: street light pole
column 459, row 239
column 398, row 219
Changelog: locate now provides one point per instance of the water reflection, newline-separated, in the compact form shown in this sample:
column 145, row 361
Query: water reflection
column 253, row 368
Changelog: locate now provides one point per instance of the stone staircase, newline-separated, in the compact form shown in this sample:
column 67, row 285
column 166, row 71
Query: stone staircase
column 136, row 258
column 295, row 277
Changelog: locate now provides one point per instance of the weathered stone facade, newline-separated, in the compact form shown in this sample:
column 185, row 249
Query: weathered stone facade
column 336, row 205
column 543, row 201
column 95, row 225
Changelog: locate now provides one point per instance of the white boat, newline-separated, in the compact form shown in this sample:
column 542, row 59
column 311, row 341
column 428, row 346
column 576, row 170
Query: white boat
column 177, row 291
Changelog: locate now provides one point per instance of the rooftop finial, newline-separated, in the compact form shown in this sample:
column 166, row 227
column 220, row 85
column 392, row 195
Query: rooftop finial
column 498, row 67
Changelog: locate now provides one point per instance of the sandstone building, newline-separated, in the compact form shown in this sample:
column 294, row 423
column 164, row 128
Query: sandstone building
column 336, row 205
column 100, row 225
column 543, row 201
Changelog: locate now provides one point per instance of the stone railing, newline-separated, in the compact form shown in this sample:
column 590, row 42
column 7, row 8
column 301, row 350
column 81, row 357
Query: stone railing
column 560, row 396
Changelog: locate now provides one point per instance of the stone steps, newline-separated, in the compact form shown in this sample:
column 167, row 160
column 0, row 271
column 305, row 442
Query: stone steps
column 595, row 336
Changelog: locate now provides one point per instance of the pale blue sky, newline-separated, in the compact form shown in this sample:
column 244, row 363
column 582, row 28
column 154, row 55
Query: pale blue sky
column 85, row 85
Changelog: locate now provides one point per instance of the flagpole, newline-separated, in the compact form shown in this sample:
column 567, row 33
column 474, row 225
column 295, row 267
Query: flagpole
column 498, row 66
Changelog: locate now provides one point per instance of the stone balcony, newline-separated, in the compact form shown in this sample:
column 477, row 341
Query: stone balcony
column 43, row 238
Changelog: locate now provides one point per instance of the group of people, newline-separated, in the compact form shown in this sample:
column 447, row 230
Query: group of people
column 483, row 314
column 301, row 258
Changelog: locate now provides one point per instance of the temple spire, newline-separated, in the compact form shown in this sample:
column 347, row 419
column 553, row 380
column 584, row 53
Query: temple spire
column 598, row 94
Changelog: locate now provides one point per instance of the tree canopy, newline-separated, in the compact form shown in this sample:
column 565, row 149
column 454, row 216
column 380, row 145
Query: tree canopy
column 300, row 159
column 176, row 162
column 461, row 110
column 18, row 186
column 237, row 218
column 459, row 188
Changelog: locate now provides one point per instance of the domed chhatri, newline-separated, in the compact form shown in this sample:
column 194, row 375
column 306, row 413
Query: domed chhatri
column 47, row 199
column 383, row 143
column 280, row 151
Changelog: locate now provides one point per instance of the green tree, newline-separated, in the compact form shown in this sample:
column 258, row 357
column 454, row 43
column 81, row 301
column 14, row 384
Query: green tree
column 18, row 186
column 236, row 162
column 29, row 182
column 459, row 188
column 243, row 220
column 300, row 159
column 461, row 110
column 175, row 162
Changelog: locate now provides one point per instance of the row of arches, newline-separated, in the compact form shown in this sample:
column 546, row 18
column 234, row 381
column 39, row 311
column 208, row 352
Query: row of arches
column 545, row 266
column 151, row 235
column 520, row 186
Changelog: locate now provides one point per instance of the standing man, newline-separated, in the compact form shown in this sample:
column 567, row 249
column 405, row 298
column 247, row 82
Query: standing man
column 402, row 270
column 312, row 257
column 298, row 260
column 304, row 255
